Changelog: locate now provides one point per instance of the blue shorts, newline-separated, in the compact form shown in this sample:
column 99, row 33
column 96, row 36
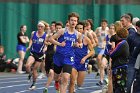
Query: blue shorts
column 60, row 59
column 80, row 67
column 21, row 48
column 100, row 51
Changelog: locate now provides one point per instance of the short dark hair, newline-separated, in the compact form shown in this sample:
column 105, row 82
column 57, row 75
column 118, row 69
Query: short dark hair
column 73, row 14
column 127, row 17
column 131, row 16
column 53, row 22
column 90, row 22
column 104, row 20
column 81, row 23
column 59, row 24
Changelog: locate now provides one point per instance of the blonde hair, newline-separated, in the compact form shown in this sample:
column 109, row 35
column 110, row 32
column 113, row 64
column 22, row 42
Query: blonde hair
column 118, row 25
column 45, row 23
column 122, row 33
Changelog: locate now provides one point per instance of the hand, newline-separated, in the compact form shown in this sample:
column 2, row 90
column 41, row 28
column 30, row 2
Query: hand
column 63, row 43
column 78, row 45
column 44, row 49
column 48, row 43
column 28, row 48
column 82, row 60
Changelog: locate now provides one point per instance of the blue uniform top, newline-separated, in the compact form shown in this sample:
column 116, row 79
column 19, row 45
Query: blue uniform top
column 38, row 43
column 108, row 46
column 70, row 39
column 81, row 52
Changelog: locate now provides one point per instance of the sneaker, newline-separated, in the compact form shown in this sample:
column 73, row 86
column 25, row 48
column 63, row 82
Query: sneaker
column 57, row 87
column 74, row 90
column 45, row 90
column 41, row 76
column 104, row 89
column 21, row 72
column 99, row 83
column 78, row 89
column 106, row 81
column 32, row 87
column 29, row 77
column 97, row 76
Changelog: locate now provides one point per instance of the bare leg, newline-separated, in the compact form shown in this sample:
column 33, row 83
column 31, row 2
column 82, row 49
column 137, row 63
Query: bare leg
column 72, row 80
column 29, row 63
column 22, row 55
column 64, row 82
column 102, row 68
column 35, row 73
column 80, row 78
column 50, row 78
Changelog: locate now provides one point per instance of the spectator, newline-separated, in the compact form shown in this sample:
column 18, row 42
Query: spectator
column 2, row 59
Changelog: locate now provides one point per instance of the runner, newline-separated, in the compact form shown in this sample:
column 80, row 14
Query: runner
column 64, row 56
column 36, row 46
column 49, row 65
column 101, row 33
column 81, row 56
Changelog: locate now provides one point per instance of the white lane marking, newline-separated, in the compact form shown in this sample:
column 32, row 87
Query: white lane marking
column 12, row 81
column 88, row 87
column 18, row 85
column 13, row 78
column 91, row 79
column 32, row 90
column 12, row 75
column 98, row 91
column 17, row 81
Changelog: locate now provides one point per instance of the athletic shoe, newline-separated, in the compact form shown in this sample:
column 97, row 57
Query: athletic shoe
column 99, row 83
column 97, row 76
column 41, row 76
column 74, row 90
column 104, row 89
column 32, row 87
column 21, row 72
column 57, row 87
column 45, row 90
column 78, row 89
column 106, row 81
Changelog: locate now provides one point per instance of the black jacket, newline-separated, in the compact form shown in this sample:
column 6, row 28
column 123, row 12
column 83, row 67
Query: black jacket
column 120, row 54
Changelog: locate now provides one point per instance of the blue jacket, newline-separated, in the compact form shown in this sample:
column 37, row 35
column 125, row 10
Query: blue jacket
column 136, row 51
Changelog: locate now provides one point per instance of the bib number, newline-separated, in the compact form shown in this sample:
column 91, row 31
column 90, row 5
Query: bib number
column 72, row 59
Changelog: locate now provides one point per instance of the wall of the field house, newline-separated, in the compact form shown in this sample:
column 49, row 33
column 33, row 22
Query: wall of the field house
column 14, row 14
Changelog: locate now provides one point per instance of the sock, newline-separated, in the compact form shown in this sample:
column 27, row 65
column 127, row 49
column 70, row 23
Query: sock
column 34, row 83
column 98, row 70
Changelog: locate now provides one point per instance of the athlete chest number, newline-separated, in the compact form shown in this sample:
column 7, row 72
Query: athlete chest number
column 72, row 59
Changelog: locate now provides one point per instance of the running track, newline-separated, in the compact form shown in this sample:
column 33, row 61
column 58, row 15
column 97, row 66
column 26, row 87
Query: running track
column 17, row 83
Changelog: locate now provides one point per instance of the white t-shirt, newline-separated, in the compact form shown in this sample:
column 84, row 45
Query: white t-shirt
column 102, row 35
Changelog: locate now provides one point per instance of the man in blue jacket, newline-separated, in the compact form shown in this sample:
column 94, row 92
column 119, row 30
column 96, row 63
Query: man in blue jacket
column 133, row 40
